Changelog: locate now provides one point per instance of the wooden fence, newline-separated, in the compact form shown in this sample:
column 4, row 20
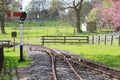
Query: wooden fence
column 65, row 39
column 5, row 43
column 105, row 40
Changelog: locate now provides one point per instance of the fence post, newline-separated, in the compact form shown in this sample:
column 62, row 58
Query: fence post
column 87, row 39
column 42, row 40
column 105, row 39
column 54, row 39
column 64, row 39
column 119, row 41
column 98, row 39
column 92, row 39
column 111, row 39
column 1, row 57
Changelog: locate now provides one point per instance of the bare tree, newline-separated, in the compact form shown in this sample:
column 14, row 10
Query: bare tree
column 54, row 9
column 3, row 10
column 5, row 5
column 36, row 9
column 76, row 5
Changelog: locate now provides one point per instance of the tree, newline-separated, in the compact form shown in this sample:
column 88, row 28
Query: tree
column 3, row 10
column 86, row 8
column 5, row 6
column 111, row 15
column 76, row 5
column 54, row 9
column 36, row 9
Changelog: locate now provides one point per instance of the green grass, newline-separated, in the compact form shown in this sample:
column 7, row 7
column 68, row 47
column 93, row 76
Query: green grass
column 12, row 57
column 105, row 54
column 37, row 31
column 11, row 62
column 32, row 33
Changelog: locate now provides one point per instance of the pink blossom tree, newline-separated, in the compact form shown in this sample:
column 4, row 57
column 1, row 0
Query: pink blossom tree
column 111, row 15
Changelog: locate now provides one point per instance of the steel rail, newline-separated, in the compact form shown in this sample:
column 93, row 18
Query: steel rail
column 84, row 62
column 78, row 76
column 106, row 68
column 71, row 68
column 96, row 66
column 53, row 64
column 99, row 70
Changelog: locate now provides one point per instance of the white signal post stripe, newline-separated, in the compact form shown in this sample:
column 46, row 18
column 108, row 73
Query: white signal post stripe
column 21, row 40
column 12, row 14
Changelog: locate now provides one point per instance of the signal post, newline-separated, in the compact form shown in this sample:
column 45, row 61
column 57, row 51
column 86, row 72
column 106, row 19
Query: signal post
column 21, row 43
column 22, row 16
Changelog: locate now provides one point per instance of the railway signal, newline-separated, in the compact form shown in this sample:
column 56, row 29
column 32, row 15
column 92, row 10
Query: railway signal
column 22, row 16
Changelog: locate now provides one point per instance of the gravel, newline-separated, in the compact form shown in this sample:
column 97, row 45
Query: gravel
column 63, row 71
column 40, row 69
column 88, row 75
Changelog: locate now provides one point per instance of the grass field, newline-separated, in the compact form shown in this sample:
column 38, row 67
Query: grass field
column 12, row 58
column 32, row 33
column 11, row 62
column 108, row 55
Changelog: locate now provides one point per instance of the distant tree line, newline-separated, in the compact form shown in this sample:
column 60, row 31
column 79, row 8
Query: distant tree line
column 73, row 10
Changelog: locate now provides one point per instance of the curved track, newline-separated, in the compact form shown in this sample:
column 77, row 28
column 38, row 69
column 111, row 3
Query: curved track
column 68, row 67
column 61, row 69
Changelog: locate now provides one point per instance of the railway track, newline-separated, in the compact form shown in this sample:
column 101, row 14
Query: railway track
column 108, row 71
column 64, row 71
column 61, row 67
column 63, row 64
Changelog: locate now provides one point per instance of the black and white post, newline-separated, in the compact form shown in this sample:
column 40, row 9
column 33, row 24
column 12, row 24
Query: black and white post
column 21, row 35
column 21, row 42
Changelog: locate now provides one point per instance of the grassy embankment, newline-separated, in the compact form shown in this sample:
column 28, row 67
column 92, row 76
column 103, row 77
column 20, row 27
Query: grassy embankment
column 105, row 54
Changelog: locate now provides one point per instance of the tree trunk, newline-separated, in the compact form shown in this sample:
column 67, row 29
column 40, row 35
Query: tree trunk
column 117, row 29
column 78, row 21
column 2, row 26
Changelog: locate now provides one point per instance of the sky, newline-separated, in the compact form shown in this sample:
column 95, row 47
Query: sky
column 24, row 3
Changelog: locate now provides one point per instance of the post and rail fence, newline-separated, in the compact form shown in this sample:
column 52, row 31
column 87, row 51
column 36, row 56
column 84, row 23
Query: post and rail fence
column 105, row 40
column 65, row 39
column 82, row 39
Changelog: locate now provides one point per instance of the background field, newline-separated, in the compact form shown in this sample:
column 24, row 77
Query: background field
column 32, row 32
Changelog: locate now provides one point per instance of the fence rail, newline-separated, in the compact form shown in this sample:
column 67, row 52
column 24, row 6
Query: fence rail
column 112, row 40
column 65, row 39
column 5, row 43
